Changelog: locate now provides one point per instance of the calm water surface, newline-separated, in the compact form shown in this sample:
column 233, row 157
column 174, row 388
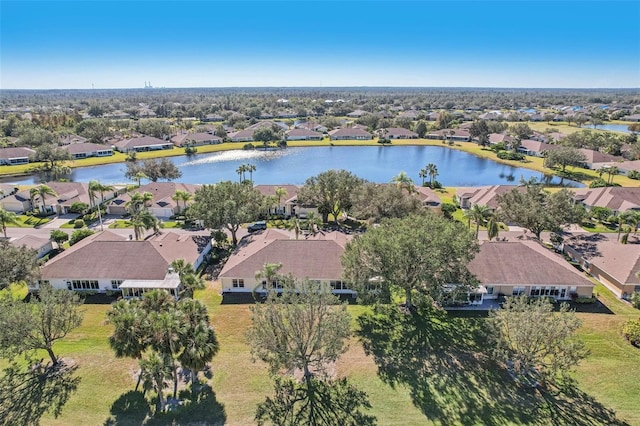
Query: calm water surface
column 295, row 165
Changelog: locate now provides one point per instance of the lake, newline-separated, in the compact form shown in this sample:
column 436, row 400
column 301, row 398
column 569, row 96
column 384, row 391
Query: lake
column 614, row 127
column 295, row 165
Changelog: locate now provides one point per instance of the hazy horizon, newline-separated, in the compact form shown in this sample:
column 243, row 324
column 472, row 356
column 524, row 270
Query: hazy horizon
column 51, row 45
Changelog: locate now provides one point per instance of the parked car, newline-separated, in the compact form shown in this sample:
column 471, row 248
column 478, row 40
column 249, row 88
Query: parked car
column 257, row 226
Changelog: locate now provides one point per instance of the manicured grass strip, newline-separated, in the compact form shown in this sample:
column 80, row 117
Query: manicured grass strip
column 25, row 221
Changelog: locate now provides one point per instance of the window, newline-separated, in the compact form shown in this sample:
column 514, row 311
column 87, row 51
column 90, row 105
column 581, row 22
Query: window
column 636, row 289
column 115, row 284
column 43, row 282
column 489, row 290
column 85, row 285
column 338, row 285
column 238, row 283
column 517, row 291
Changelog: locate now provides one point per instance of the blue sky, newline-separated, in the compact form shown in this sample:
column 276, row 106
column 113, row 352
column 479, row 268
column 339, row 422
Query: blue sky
column 122, row 44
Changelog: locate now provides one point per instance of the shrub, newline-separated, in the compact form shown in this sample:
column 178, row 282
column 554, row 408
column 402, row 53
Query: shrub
column 508, row 155
column 79, row 235
column 631, row 332
column 384, row 141
column 585, row 300
column 448, row 210
column 190, row 150
column 633, row 174
column 248, row 146
column 436, row 184
column 59, row 236
column 598, row 183
column 78, row 207
column 78, row 223
column 635, row 300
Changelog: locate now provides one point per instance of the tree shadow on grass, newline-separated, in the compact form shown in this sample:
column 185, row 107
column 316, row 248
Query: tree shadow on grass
column 132, row 408
column 443, row 360
column 27, row 393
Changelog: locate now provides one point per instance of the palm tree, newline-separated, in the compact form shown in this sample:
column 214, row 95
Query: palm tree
column 183, row 196
column 403, row 181
column 423, row 174
column 182, row 267
column 241, row 171
column 479, row 215
column 432, row 171
column 268, row 273
column 7, row 218
column 492, row 227
column 143, row 220
column 102, row 189
column 139, row 176
column 42, row 191
column 623, row 218
column 294, row 224
column 156, row 372
column 200, row 346
column 280, row 193
column 167, row 327
column 612, row 171
column 94, row 186
column 129, row 335
column 33, row 193
column 250, row 168
column 313, row 223
column 138, row 201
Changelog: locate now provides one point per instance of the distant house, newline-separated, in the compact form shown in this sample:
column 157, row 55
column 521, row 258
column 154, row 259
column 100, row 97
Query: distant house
column 399, row 133
column 483, row 195
column 301, row 258
column 618, row 199
column 7, row 189
column 85, row 150
column 411, row 114
column 461, row 135
column 42, row 246
column 535, row 148
column 516, row 268
column 634, row 117
column 357, row 113
column 615, row 265
column 303, row 135
column 162, row 206
column 71, row 139
column 104, row 261
column 196, row 139
column 15, row 156
column 143, row 143
column 212, row 117
column 496, row 138
column 596, row 159
column 349, row 134
column 246, row 135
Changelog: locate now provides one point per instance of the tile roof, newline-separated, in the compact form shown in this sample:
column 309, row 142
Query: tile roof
column 523, row 263
column 78, row 148
column 19, row 152
column 620, row 261
column 315, row 258
column 140, row 141
column 486, row 195
column 161, row 191
column 615, row 198
column 108, row 255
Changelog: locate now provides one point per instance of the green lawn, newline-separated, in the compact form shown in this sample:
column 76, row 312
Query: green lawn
column 25, row 221
column 429, row 369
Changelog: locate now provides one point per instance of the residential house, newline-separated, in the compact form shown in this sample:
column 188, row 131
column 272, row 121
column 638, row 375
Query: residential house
column 618, row 199
column 16, row 202
column 85, row 150
column 614, row 264
column 459, row 135
column 212, row 117
column 633, row 117
column 357, row 113
column 287, row 204
column 427, row 196
column 349, row 134
column 514, row 268
column 317, row 259
column 42, row 246
column 398, row 133
column 196, row 139
column 412, row 114
column 499, row 138
column 162, row 205
column 68, row 193
column 71, row 139
column 596, row 159
column 104, row 261
column 246, row 135
column 303, row 135
column 143, row 143
column 7, row 189
column 535, row 148
column 15, row 156
column 483, row 195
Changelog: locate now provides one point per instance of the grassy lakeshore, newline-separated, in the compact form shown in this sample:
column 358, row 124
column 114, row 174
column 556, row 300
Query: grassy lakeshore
column 606, row 377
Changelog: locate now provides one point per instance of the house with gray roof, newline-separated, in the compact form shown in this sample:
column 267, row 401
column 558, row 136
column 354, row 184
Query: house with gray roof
column 196, row 139
column 349, row 134
column 162, row 205
column 301, row 134
column 398, row 133
column 618, row 199
column 483, row 195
